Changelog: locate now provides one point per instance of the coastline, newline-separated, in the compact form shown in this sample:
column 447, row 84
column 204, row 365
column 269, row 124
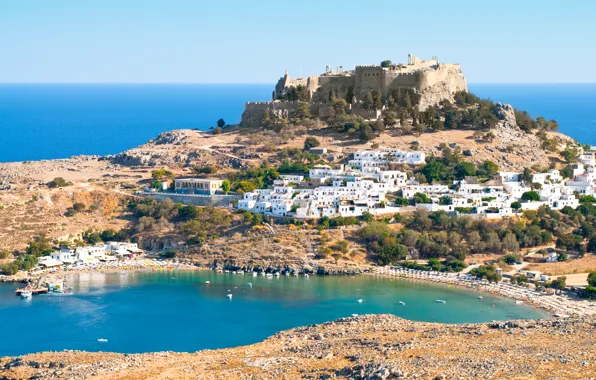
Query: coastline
column 368, row 346
column 558, row 305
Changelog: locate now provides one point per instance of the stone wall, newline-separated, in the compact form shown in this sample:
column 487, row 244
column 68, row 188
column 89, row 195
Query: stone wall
column 194, row 199
column 255, row 111
column 434, row 82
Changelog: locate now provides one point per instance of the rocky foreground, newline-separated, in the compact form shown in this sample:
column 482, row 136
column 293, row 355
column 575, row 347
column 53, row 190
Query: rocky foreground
column 364, row 347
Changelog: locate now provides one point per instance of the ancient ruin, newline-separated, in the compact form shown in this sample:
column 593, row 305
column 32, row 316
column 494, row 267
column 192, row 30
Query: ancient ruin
column 431, row 80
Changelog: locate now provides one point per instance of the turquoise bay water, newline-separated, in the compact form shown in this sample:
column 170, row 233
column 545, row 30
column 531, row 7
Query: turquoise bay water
column 154, row 311
column 60, row 120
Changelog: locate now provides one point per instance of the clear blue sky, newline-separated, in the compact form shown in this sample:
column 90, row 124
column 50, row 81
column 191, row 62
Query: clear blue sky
column 241, row 41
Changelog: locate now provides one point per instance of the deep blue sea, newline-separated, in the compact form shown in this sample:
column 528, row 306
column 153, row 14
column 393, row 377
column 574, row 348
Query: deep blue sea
column 178, row 311
column 56, row 121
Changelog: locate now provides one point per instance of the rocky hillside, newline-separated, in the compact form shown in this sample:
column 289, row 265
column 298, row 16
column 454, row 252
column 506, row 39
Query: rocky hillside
column 365, row 347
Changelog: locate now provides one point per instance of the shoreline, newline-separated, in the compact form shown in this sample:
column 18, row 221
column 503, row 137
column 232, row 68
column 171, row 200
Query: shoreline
column 558, row 305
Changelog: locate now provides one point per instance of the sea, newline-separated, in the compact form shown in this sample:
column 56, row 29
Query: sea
column 154, row 311
column 178, row 311
column 45, row 121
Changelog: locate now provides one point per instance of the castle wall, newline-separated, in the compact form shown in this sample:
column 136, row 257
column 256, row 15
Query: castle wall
column 255, row 111
column 367, row 79
column 434, row 82
column 340, row 84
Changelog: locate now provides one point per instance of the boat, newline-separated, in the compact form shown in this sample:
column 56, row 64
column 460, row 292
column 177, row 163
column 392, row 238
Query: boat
column 354, row 315
column 255, row 274
column 26, row 294
column 402, row 303
column 440, row 301
column 306, row 275
column 360, row 300
column 102, row 340
column 250, row 284
column 229, row 296
column 519, row 302
column 208, row 282
column 276, row 274
column 479, row 297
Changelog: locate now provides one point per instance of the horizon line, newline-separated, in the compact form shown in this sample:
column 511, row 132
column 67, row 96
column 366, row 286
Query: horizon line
column 242, row 83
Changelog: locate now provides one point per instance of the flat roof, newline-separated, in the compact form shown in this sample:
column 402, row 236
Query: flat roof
column 198, row 179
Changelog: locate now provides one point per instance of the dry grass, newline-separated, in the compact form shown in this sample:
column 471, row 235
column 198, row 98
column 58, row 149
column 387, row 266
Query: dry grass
column 584, row 265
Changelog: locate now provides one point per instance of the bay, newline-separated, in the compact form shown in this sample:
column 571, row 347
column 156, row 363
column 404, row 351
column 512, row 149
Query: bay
column 178, row 311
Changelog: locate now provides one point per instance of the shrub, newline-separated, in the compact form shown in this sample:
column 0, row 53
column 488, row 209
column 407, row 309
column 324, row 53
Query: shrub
column 58, row 182
column 168, row 254
column 311, row 142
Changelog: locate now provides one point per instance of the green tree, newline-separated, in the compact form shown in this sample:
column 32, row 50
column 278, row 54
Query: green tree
column 570, row 155
column 530, row 196
column 592, row 279
column 367, row 216
column 434, row 171
column 516, row 205
column 465, row 169
column 221, row 123
column 366, row 133
column 488, row 168
column 40, row 246
column 558, row 284
column 311, row 142
column 162, row 174
column 592, row 244
column 386, row 63
column 226, row 186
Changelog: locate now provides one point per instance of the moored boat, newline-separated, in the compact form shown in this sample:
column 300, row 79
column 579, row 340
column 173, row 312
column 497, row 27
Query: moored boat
column 26, row 294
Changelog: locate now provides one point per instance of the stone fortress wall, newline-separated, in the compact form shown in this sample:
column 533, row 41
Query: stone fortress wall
column 433, row 80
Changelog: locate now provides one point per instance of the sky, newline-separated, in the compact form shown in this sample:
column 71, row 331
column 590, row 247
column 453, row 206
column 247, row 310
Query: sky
column 241, row 41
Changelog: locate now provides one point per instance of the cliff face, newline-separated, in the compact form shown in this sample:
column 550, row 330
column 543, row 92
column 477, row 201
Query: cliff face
column 440, row 85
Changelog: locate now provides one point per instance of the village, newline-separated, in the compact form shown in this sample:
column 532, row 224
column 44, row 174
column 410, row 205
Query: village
column 367, row 185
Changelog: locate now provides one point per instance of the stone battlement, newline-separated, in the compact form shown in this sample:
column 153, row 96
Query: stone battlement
column 417, row 74
column 432, row 80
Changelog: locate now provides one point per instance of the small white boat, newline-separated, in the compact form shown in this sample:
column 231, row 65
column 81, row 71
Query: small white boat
column 354, row 315
column 402, row 303
column 306, row 275
column 479, row 297
column 519, row 302
column 208, row 282
column 440, row 301
column 250, row 284
column 276, row 274
column 360, row 300
column 102, row 340
column 229, row 296
column 255, row 274
column 26, row 294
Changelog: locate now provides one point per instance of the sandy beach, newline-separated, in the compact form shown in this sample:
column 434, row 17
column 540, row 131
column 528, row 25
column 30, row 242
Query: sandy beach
column 559, row 305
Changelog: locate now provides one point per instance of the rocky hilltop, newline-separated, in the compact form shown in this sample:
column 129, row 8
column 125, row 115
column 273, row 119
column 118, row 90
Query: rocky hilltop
column 365, row 347
column 427, row 82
